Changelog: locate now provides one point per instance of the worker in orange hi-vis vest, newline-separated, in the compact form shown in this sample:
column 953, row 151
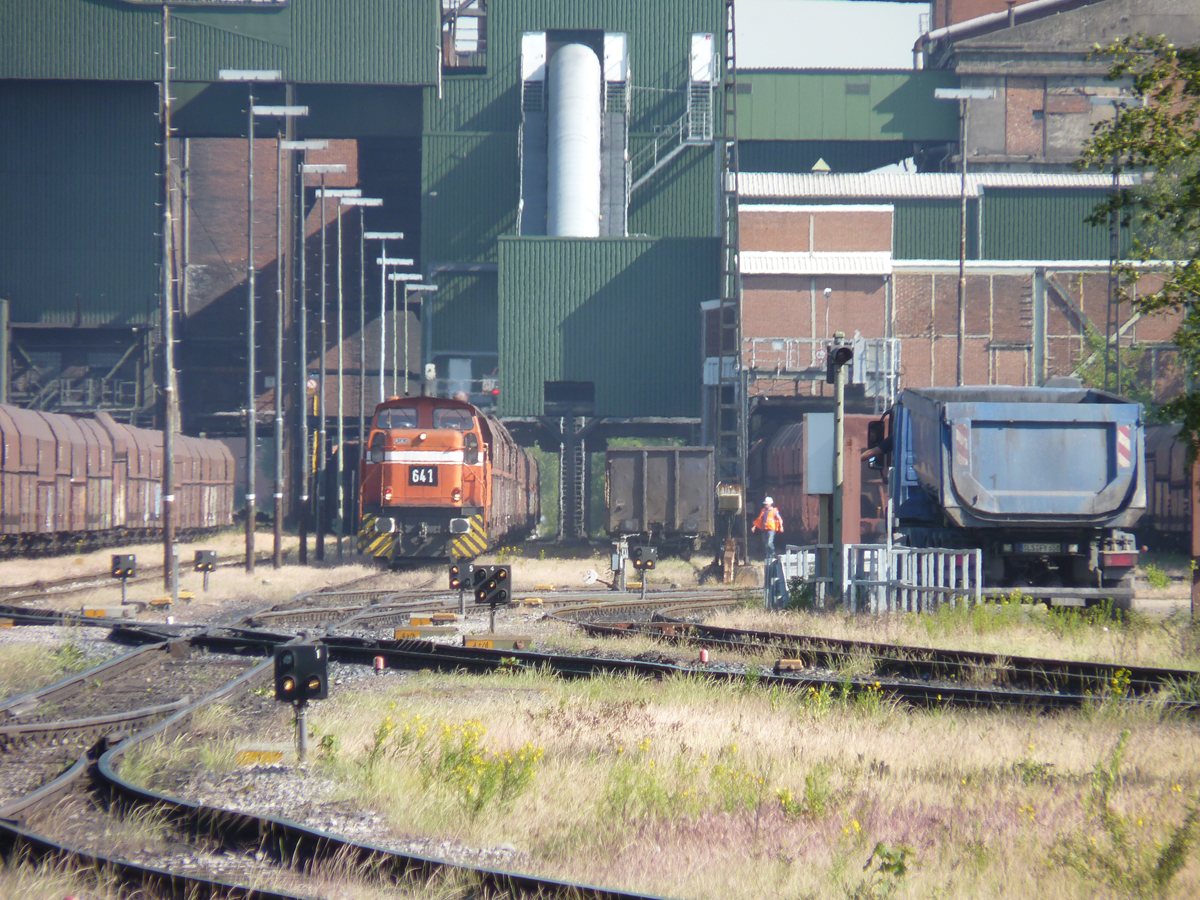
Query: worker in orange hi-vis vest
column 769, row 521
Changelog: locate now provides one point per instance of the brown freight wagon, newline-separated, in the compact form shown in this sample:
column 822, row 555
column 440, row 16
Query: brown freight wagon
column 74, row 483
column 785, row 482
column 667, row 493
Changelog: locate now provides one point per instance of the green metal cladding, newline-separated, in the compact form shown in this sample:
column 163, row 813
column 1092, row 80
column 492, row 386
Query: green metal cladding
column 623, row 313
column 868, row 105
column 464, row 314
column 1044, row 224
column 471, row 130
column 931, row 228
column 85, row 159
column 318, row 41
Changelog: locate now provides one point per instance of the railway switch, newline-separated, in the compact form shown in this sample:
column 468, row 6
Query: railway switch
column 206, row 561
column 124, row 566
column 301, row 673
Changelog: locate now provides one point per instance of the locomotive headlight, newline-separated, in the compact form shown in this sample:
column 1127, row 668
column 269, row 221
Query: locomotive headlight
column 387, row 493
column 456, row 494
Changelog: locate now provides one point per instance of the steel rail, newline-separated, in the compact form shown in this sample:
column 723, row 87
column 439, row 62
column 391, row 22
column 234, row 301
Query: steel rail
column 931, row 662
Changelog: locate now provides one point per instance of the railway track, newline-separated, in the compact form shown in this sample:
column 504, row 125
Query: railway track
column 926, row 664
column 61, row 748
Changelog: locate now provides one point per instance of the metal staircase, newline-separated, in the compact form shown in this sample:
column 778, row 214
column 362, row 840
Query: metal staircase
column 693, row 129
column 729, row 426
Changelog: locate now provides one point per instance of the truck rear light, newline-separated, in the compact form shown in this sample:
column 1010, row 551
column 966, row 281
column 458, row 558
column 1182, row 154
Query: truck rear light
column 1120, row 559
column 456, row 494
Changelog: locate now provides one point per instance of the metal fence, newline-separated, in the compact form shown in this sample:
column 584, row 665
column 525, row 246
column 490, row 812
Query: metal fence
column 879, row 578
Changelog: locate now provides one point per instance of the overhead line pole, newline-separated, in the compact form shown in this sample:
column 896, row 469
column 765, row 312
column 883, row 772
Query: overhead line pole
column 168, row 324
column 383, row 237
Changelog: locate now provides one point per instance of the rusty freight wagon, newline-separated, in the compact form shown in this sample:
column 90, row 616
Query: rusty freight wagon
column 663, row 493
column 71, row 483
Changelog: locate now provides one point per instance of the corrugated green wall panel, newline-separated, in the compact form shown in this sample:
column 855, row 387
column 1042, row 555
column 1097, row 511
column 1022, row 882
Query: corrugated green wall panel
column 471, row 186
column 620, row 312
column 828, row 106
column 346, row 41
column 659, row 45
column 931, row 229
column 679, row 200
column 1043, row 224
column 464, row 314
column 80, row 232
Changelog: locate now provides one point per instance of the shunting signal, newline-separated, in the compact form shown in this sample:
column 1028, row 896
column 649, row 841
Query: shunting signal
column 643, row 557
column 301, row 672
column 460, row 576
column 492, row 584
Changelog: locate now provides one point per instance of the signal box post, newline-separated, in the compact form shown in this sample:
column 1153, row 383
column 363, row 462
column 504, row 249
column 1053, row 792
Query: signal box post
column 492, row 585
column 301, row 674
column 206, row 561
column 460, row 580
column 124, row 566
column 644, row 558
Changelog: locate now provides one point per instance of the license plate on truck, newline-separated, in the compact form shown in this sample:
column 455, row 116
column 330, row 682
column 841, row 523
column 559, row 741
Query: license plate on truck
column 422, row 475
column 1039, row 548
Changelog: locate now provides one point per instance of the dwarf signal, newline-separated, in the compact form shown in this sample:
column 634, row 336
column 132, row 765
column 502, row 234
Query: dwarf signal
column 460, row 576
column 301, row 672
column 643, row 557
column 492, row 584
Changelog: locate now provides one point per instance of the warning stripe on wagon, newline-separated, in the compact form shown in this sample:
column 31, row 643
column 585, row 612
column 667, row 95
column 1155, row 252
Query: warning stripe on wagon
column 471, row 544
column 1124, row 447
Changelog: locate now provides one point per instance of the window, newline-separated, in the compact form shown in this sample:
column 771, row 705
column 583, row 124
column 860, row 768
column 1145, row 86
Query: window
column 405, row 417
column 457, row 419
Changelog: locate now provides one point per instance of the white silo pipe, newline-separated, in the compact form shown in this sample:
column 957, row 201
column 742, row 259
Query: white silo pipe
column 573, row 188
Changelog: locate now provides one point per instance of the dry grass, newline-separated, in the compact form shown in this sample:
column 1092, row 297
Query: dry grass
column 21, row 879
column 229, row 543
column 535, row 566
column 27, row 667
column 1132, row 638
column 690, row 788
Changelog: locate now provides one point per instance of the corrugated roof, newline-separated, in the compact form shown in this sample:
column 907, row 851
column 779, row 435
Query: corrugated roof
column 786, row 185
column 766, row 262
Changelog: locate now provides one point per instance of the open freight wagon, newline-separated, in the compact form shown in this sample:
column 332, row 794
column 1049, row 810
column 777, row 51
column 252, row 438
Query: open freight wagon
column 663, row 493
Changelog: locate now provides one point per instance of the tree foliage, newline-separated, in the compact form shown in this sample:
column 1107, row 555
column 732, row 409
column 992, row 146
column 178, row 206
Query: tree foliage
column 1158, row 131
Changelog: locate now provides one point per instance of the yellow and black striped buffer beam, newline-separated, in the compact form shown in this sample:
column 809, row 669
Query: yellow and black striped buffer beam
column 471, row 544
column 372, row 542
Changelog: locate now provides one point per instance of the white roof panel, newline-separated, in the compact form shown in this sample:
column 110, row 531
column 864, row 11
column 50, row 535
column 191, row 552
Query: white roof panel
column 880, row 186
column 770, row 262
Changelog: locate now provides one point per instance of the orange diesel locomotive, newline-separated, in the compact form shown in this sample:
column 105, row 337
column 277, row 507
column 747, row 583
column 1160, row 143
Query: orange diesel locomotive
column 442, row 479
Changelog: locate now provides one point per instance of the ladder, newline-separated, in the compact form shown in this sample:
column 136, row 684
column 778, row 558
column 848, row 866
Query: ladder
column 572, row 481
column 730, row 419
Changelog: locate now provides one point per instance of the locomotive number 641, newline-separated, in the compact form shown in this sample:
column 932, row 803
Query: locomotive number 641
column 423, row 475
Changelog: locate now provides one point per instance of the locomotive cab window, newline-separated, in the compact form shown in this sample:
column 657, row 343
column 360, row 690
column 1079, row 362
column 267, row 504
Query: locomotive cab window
column 471, row 450
column 457, row 419
column 404, row 417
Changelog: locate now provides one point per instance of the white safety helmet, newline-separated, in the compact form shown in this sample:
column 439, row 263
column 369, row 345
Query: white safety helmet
column 768, row 501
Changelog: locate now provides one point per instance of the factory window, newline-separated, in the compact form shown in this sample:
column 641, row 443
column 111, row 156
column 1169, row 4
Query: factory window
column 464, row 35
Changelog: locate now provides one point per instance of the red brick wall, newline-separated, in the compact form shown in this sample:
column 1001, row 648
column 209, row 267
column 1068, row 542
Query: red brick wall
column 781, row 231
column 845, row 232
column 840, row 231
column 1025, row 123
column 950, row 12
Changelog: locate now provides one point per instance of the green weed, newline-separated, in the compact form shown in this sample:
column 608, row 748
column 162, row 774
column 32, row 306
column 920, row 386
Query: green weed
column 1156, row 577
column 1122, row 856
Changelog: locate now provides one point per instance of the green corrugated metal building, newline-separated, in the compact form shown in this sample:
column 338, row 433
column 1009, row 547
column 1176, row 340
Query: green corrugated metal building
column 621, row 313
